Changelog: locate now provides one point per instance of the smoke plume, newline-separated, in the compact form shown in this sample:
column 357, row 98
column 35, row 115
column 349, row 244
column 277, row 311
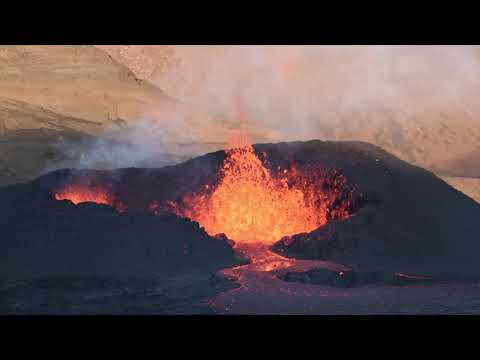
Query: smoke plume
column 389, row 95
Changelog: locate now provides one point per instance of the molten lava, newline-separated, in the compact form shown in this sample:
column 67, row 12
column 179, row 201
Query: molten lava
column 251, row 205
column 81, row 194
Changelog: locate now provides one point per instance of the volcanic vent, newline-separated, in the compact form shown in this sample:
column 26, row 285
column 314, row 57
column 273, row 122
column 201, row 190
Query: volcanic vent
column 250, row 198
column 252, row 204
column 98, row 194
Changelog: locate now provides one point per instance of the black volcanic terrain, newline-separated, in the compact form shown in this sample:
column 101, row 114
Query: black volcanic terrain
column 413, row 223
column 405, row 220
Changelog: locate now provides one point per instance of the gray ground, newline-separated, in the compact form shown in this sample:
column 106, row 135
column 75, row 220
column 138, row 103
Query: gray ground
column 261, row 294
column 186, row 293
column 278, row 297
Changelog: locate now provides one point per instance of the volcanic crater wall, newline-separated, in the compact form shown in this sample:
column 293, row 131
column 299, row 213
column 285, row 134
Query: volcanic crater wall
column 413, row 222
column 404, row 219
column 138, row 189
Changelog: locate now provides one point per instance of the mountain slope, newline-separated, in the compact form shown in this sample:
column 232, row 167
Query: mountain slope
column 77, row 81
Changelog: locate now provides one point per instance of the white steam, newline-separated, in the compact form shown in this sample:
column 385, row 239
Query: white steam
column 296, row 93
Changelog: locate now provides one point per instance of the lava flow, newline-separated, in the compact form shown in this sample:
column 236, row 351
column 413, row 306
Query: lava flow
column 80, row 194
column 250, row 205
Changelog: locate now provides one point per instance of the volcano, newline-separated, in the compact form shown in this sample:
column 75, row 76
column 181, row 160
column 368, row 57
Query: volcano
column 351, row 203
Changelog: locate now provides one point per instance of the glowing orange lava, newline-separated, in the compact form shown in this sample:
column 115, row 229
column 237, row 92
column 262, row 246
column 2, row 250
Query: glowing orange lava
column 81, row 194
column 250, row 205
